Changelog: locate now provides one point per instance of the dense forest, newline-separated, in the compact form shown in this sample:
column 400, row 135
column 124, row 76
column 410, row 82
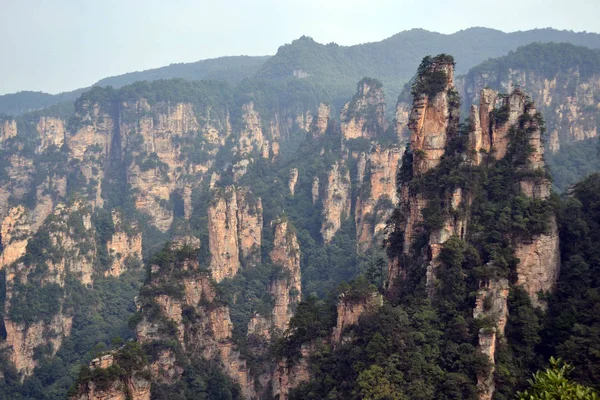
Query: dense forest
column 251, row 153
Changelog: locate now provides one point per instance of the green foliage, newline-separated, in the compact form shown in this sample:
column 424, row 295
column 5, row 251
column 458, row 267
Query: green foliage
column 553, row 383
column 32, row 303
column 573, row 162
column 573, row 328
column 431, row 81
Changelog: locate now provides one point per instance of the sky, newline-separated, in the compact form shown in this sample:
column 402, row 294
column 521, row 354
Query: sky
column 61, row 45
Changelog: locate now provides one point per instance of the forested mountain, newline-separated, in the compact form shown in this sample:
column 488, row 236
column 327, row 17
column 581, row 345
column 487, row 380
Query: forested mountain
column 178, row 239
column 332, row 68
column 225, row 69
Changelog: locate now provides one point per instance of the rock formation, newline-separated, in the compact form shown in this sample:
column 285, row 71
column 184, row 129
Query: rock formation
column 377, row 197
column 566, row 98
column 293, row 180
column 321, row 121
column 350, row 309
column 8, row 129
column 286, row 291
column 337, row 201
column 125, row 245
column 433, row 117
column 206, row 330
column 69, row 248
column 234, row 231
column 364, row 116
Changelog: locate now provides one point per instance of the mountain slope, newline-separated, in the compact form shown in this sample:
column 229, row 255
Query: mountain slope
column 394, row 60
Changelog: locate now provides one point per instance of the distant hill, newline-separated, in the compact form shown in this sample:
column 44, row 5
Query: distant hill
column 394, row 60
column 334, row 69
column 226, row 69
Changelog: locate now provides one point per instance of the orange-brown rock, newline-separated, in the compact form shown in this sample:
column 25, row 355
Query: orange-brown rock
column 125, row 245
column 337, row 200
column 8, row 129
column 234, row 231
column 249, row 223
column 349, row 310
column 364, row 116
column 566, row 99
column 491, row 303
column 286, row 292
column 377, row 197
column 15, row 234
column 90, row 145
column 290, row 374
column 223, row 235
column 251, row 135
column 430, row 120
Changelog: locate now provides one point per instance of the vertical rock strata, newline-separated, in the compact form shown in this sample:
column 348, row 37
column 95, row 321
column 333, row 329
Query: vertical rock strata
column 364, row 116
column 377, row 196
column 234, row 231
column 69, row 250
column 337, row 201
column 287, row 290
column 433, row 121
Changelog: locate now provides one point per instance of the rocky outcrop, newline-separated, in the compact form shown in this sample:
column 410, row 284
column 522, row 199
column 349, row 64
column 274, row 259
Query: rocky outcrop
column 566, row 98
column 287, row 290
column 8, row 129
column 135, row 384
column 52, row 132
column 293, row 180
column 337, row 201
column 125, row 245
column 350, row 309
column 68, row 249
column 90, row 146
column 15, row 234
column 492, row 122
column 315, row 190
column 321, row 121
column 364, row 116
column 155, row 142
column 377, row 197
column 251, row 136
column 206, row 330
column 491, row 304
column 290, row 374
column 433, row 118
column 234, row 231
column 432, row 123
column 401, row 121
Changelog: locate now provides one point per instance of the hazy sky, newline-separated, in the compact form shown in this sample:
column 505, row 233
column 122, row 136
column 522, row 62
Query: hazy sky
column 59, row 45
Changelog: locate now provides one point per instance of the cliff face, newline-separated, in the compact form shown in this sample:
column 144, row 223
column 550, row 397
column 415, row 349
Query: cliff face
column 377, row 196
column 337, row 201
column 90, row 147
column 206, row 330
column 154, row 142
column 432, row 123
column 432, row 119
column 15, row 232
column 234, row 231
column 68, row 249
column 568, row 99
column 364, row 116
column 8, row 129
column 321, row 121
column 349, row 310
column 52, row 132
column 287, row 290
column 135, row 385
column 491, row 304
column 125, row 245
